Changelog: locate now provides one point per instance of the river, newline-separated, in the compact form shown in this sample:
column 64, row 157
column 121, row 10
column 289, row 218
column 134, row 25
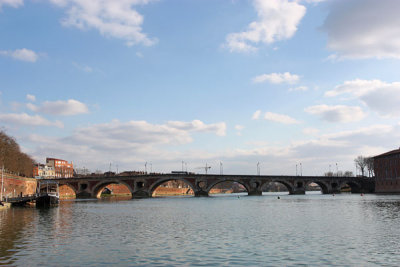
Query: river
column 223, row 230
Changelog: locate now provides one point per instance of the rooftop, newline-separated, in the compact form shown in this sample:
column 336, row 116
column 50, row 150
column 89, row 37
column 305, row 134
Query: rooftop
column 393, row 152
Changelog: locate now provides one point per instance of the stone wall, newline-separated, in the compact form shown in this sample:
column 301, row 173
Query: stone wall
column 16, row 185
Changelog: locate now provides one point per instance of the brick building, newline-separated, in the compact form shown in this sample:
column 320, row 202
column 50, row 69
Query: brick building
column 387, row 172
column 62, row 168
column 54, row 168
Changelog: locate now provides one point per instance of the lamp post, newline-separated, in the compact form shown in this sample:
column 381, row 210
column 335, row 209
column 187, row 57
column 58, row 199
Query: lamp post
column 296, row 169
column 145, row 168
column 221, row 168
column 337, row 170
column 2, row 183
column 258, row 168
column 301, row 169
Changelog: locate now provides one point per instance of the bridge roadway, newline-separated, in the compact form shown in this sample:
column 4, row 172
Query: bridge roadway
column 142, row 186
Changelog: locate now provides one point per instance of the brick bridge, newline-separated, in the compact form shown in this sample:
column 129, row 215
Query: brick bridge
column 144, row 185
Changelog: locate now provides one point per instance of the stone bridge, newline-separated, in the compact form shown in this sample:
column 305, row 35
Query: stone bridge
column 142, row 186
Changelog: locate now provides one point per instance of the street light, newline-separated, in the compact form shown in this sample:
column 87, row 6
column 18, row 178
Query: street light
column 221, row 168
column 337, row 170
column 145, row 168
column 2, row 183
column 301, row 169
column 258, row 168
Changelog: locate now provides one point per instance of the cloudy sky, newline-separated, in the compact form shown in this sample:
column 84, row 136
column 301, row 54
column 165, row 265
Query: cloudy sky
column 280, row 82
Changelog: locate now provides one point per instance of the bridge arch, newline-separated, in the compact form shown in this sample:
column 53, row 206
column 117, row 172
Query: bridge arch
column 97, row 190
column 159, row 182
column 67, row 191
column 325, row 188
column 287, row 185
column 354, row 186
column 211, row 185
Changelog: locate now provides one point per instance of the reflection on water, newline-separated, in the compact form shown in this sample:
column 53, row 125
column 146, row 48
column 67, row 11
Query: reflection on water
column 236, row 229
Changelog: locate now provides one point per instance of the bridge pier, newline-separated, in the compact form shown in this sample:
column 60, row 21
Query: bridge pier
column 255, row 193
column 84, row 194
column 298, row 192
column 201, row 193
column 140, row 194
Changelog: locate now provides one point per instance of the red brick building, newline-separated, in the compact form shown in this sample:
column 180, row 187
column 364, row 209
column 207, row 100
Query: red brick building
column 62, row 168
column 387, row 172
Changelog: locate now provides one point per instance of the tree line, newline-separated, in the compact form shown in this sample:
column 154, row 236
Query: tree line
column 13, row 159
column 365, row 165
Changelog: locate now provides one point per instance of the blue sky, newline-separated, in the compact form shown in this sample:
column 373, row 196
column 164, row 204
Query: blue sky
column 239, row 82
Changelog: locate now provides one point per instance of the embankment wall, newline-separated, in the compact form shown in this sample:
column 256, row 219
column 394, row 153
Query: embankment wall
column 15, row 185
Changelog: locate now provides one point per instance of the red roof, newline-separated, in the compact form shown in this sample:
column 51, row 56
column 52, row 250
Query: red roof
column 393, row 152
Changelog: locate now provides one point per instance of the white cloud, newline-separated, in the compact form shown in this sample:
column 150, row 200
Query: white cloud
column 337, row 113
column 12, row 3
column 256, row 115
column 131, row 141
column 310, row 131
column 28, row 120
column 21, row 54
column 117, row 18
column 380, row 96
column 239, row 129
column 299, row 88
column 281, row 118
column 131, row 144
column 84, row 68
column 277, row 20
column 364, row 28
column 30, row 97
column 65, row 108
column 277, row 78
column 199, row 126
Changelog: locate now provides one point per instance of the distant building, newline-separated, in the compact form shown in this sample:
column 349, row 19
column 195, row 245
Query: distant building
column 387, row 172
column 54, row 168
column 43, row 171
column 62, row 168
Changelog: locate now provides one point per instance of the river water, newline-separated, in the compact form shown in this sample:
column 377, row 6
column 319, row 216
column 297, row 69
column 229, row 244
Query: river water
column 313, row 230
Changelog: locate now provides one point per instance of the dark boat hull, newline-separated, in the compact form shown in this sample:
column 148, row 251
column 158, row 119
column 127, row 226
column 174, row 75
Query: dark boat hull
column 46, row 201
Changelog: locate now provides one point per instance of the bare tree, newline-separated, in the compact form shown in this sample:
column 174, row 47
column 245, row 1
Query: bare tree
column 348, row 174
column 361, row 163
column 370, row 166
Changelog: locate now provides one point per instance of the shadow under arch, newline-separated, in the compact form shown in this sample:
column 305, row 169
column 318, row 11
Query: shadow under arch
column 349, row 186
column 153, row 187
column 324, row 188
column 266, row 186
column 230, row 180
column 100, row 187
